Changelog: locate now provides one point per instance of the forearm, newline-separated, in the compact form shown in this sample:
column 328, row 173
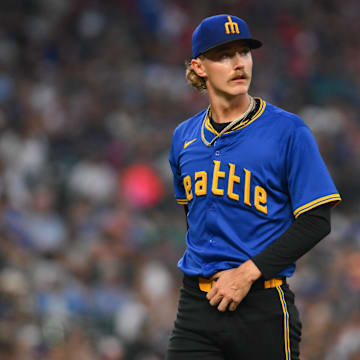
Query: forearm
column 304, row 233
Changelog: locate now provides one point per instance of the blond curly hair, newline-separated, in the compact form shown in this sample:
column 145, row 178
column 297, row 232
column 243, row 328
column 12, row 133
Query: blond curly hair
column 194, row 79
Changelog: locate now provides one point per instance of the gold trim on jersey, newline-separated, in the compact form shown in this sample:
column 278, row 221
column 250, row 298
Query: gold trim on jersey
column 182, row 201
column 286, row 323
column 256, row 115
column 237, row 127
column 320, row 201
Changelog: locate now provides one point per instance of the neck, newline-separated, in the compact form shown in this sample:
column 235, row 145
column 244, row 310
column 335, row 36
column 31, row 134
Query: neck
column 226, row 110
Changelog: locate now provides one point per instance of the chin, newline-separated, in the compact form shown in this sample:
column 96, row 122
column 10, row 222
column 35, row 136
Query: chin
column 238, row 91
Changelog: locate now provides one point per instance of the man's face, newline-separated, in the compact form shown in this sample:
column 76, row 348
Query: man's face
column 227, row 69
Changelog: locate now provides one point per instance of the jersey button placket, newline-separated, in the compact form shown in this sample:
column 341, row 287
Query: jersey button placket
column 212, row 209
column 216, row 147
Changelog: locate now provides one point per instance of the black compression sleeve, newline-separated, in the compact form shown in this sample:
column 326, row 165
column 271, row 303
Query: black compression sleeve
column 186, row 208
column 303, row 234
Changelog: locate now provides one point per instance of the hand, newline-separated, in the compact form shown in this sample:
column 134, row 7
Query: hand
column 232, row 286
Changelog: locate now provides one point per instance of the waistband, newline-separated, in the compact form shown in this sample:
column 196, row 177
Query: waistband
column 205, row 284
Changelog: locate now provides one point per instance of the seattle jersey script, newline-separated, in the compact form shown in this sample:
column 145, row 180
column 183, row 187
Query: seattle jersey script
column 199, row 186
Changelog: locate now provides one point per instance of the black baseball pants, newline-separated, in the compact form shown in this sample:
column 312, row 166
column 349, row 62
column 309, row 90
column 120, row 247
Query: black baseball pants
column 265, row 326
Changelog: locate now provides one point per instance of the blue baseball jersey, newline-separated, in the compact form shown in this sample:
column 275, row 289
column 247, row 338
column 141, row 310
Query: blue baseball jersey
column 247, row 188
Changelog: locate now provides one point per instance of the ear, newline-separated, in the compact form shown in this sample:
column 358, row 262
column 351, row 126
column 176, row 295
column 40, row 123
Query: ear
column 198, row 66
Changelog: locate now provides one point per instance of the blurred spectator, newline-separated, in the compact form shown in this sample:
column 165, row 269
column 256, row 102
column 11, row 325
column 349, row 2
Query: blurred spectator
column 90, row 93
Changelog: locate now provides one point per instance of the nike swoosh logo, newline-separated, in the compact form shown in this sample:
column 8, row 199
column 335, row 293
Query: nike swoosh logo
column 186, row 144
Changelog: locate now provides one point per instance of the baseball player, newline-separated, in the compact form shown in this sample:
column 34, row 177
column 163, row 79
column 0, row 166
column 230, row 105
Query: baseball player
column 257, row 196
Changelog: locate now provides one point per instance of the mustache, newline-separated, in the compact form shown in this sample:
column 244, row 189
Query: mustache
column 242, row 75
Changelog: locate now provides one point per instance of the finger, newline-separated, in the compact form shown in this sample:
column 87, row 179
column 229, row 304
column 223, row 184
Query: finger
column 233, row 305
column 211, row 293
column 216, row 299
column 223, row 304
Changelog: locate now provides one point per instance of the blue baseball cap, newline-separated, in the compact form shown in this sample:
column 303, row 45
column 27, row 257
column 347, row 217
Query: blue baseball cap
column 218, row 30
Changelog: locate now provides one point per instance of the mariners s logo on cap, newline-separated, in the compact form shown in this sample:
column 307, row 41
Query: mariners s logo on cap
column 218, row 30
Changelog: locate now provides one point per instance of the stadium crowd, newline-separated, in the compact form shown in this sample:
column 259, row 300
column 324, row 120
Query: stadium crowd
column 90, row 93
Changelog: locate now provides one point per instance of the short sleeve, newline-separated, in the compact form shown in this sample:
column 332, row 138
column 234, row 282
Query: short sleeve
column 180, row 194
column 309, row 181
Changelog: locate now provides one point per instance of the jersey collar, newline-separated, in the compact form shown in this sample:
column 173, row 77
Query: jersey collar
column 240, row 126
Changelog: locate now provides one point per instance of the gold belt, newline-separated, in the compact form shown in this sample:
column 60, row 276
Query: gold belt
column 206, row 284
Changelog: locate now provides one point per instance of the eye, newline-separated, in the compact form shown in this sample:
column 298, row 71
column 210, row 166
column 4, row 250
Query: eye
column 225, row 55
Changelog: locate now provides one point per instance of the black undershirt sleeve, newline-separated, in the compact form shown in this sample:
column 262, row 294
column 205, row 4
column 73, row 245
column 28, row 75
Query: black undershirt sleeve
column 302, row 235
column 186, row 208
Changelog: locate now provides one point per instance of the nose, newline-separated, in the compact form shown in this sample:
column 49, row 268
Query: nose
column 238, row 61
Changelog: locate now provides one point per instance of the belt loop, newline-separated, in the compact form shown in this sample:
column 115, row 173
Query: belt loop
column 268, row 284
column 205, row 284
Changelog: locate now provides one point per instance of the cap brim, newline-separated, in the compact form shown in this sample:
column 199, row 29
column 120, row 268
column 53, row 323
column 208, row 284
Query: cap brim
column 253, row 44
